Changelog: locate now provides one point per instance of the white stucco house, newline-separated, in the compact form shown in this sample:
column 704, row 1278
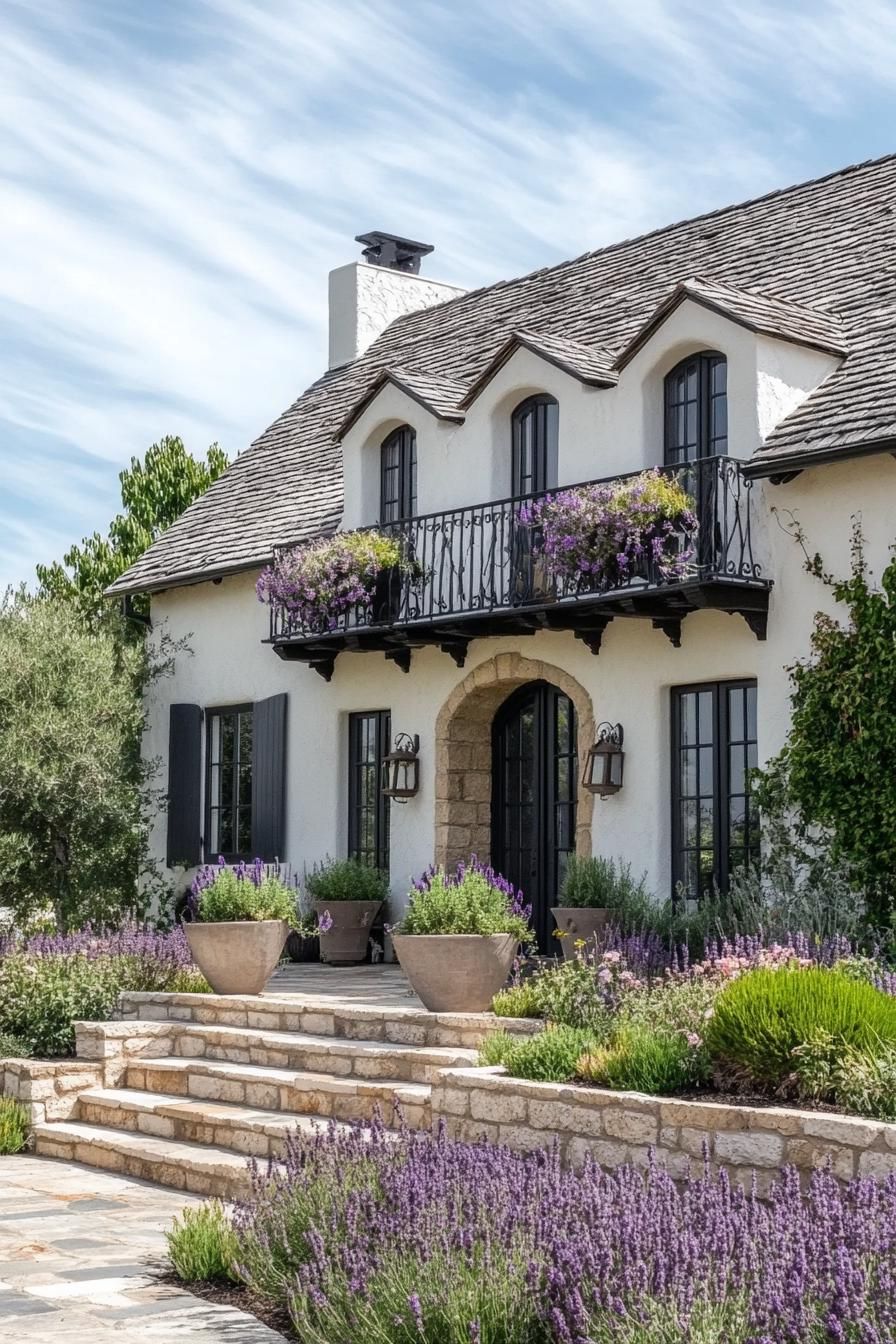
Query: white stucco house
column 749, row 353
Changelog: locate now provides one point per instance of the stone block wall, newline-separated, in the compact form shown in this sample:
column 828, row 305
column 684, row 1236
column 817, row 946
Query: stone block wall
column 318, row 1017
column 619, row 1127
column 48, row 1089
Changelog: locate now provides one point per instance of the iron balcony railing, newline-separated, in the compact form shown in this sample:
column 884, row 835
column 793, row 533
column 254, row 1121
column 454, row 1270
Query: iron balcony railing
column 483, row 558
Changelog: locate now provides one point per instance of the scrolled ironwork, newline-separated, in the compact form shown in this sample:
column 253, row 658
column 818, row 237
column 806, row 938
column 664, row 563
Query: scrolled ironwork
column 484, row 558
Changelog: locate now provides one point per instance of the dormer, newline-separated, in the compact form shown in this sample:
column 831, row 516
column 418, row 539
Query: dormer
column 727, row 364
column 404, row 416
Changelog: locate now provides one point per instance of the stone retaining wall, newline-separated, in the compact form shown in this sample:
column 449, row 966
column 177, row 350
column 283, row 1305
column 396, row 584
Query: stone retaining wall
column 48, row 1089
column 618, row 1127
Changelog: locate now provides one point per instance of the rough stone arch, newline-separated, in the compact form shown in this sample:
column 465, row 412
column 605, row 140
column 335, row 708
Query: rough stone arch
column 463, row 785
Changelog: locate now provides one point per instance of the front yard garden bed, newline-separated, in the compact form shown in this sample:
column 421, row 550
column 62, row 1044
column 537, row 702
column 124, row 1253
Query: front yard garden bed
column 421, row 1239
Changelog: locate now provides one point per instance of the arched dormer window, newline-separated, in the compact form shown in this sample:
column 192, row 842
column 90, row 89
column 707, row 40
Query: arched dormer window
column 535, row 440
column 398, row 475
column 696, row 412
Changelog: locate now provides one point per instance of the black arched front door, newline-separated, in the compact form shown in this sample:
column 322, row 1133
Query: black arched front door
column 534, row 776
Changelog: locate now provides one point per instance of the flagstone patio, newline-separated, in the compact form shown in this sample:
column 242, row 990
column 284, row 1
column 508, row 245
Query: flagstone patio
column 81, row 1254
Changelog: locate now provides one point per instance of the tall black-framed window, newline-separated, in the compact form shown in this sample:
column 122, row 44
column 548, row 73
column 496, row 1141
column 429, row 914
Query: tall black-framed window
column 535, row 424
column 715, row 827
column 696, row 409
column 368, row 810
column 228, row 793
column 398, row 475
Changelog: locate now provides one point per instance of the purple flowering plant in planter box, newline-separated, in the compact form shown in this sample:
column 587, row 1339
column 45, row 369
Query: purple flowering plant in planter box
column 599, row 537
column 320, row 582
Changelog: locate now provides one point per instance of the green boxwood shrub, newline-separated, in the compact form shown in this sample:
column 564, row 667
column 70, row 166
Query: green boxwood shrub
column 760, row 1019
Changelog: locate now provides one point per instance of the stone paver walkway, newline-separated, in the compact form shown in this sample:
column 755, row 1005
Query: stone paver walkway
column 81, row 1252
column 382, row 986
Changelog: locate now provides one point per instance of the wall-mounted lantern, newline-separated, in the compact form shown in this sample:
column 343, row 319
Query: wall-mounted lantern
column 605, row 761
column 401, row 769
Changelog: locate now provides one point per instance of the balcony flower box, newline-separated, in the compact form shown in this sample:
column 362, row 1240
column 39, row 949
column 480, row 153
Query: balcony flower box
column 322, row 583
column 599, row 537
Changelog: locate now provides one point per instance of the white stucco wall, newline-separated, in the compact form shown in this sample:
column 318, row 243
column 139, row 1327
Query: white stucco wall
column 628, row 682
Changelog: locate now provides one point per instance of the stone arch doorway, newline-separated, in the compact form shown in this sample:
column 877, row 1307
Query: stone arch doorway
column 464, row 753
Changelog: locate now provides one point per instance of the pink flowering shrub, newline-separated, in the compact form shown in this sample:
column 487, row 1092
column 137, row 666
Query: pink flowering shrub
column 602, row 536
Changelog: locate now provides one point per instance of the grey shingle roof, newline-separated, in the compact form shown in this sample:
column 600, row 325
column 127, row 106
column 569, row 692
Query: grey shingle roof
column 759, row 312
column 440, row 396
column 587, row 363
column 825, row 245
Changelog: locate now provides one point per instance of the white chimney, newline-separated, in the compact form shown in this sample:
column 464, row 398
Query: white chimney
column 367, row 295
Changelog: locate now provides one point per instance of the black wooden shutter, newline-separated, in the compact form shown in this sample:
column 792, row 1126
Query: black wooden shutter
column 184, row 785
column 269, row 778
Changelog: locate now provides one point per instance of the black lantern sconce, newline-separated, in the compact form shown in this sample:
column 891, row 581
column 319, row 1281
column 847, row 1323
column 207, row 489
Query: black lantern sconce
column 401, row 769
column 605, row 761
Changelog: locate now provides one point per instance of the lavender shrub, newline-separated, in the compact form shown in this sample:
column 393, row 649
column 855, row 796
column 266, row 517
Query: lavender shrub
column 49, row 981
column 421, row 1240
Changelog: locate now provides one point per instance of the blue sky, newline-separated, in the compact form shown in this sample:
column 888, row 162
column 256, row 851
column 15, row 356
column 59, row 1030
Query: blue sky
column 178, row 177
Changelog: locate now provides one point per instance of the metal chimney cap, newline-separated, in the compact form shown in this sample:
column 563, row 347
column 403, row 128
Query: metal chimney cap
column 392, row 251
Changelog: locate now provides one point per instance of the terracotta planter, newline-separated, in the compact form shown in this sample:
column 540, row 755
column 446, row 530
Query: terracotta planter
column 345, row 944
column 237, row 957
column 579, row 923
column 456, row 972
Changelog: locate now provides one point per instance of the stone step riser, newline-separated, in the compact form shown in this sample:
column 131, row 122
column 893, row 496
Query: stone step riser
column 341, row 1021
column 342, row 1059
column 217, row 1131
column 361, row 1101
column 99, row 1153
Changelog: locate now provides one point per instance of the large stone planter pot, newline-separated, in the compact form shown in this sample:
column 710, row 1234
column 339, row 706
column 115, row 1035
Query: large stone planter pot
column 578, row 923
column 345, row 944
column 456, row 972
column 237, row 957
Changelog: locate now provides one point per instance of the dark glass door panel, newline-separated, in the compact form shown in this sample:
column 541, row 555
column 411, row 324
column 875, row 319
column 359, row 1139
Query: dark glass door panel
column 534, row 796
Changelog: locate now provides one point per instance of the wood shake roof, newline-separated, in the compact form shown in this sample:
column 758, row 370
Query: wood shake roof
column 815, row 263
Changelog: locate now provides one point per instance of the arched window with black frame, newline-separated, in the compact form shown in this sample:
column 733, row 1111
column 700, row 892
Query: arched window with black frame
column 535, row 439
column 696, row 409
column 398, row 475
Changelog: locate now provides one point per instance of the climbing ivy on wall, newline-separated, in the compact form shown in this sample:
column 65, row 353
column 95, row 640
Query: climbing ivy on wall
column 836, row 775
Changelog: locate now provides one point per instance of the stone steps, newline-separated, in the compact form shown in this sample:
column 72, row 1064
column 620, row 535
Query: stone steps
column 217, row 1124
column 303, row 1052
column 298, row 1092
column 182, row 1088
column 199, row 1168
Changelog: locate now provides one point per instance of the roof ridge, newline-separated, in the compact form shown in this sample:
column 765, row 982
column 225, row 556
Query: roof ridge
column 715, row 213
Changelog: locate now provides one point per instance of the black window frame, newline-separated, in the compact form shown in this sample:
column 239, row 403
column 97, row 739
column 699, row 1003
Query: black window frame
column 376, row 855
column 543, row 413
column 710, row 437
column 722, row 793
column 398, row 478
column 246, row 708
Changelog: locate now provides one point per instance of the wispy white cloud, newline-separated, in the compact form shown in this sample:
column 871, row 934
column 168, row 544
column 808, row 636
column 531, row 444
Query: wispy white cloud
column 178, row 178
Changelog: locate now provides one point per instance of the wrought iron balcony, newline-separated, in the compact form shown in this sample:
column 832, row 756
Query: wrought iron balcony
column 477, row 571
